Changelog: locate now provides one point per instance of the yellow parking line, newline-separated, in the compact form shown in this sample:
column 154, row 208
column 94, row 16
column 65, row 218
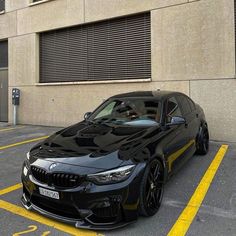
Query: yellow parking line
column 23, row 142
column 8, row 129
column 184, row 221
column 43, row 220
column 10, row 189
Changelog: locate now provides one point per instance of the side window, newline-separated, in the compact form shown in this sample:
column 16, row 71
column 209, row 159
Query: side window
column 172, row 109
column 186, row 109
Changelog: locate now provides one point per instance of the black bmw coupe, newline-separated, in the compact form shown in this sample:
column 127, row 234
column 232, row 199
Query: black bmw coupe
column 103, row 172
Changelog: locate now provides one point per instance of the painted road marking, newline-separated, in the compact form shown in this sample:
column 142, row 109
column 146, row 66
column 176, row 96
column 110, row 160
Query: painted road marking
column 23, row 142
column 31, row 228
column 10, row 189
column 8, row 129
column 16, row 210
column 184, row 221
column 33, row 216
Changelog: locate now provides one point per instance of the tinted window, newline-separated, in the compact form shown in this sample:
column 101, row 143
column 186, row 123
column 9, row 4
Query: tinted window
column 186, row 109
column 107, row 110
column 132, row 111
column 172, row 109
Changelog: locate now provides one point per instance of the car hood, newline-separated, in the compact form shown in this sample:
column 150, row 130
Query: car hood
column 100, row 146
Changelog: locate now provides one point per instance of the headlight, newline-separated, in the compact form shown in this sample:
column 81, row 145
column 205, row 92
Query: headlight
column 28, row 155
column 25, row 171
column 26, row 167
column 112, row 176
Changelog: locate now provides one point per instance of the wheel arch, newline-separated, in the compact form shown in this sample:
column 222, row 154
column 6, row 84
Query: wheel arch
column 202, row 124
column 161, row 158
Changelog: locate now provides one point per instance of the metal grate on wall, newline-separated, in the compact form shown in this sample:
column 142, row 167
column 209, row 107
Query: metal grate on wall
column 2, row 5
column 3, row 54
column 114, row 49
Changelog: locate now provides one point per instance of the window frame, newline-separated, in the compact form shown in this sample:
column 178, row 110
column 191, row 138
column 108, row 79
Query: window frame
column 43, row 80
column 37, row 2
column 4, row 44
column 4, row 8
column 166, row 107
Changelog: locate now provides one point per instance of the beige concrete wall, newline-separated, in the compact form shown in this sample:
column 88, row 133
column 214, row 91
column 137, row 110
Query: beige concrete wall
column 12, row 5
column 64, row 105
column 50, row 15
column 192, row 52
column 102, row 9
column 7, row 25
column 194, row 41
column 218, row 98
column 23, row 60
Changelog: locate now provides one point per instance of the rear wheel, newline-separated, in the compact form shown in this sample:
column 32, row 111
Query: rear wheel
column 151, row 189
column 202, row 142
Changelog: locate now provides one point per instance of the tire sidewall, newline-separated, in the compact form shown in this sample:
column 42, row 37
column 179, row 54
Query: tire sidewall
column 144, row 210
column 201, row 148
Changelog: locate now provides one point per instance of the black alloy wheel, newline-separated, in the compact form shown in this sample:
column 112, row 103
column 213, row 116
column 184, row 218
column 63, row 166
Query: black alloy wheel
column 151, row 189
column 203, row 141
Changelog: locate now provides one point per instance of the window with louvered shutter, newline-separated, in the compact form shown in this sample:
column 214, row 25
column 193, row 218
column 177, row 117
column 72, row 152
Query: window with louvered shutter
column 3, row 54
column 114, row 49
column 2, row 5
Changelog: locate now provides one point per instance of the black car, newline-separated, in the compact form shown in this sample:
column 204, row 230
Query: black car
column 103, row 172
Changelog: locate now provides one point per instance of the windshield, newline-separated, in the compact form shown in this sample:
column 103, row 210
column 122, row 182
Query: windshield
column 128, row 111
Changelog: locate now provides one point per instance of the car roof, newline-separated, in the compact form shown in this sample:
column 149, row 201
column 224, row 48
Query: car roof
column 158, row 94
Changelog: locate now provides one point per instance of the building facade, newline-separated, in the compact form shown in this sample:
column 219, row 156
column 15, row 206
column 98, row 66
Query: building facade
column 67, row 56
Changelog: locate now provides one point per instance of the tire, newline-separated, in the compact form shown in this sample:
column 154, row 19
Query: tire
column 202, row 142
column 151, row 189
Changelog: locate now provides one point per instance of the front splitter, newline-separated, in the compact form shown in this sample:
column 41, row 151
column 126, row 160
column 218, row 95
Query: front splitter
column 78, row 223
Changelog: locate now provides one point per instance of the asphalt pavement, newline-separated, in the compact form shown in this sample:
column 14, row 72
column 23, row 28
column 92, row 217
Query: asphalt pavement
column 215, row 215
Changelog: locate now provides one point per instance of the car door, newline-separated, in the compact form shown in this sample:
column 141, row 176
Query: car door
column 192, row 121
column 177, row 140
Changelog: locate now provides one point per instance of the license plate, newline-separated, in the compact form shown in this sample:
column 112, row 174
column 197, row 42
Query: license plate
column 48, row 193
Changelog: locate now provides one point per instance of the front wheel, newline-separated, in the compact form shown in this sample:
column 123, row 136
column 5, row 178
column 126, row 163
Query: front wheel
column 151, row 189
column 202, row 142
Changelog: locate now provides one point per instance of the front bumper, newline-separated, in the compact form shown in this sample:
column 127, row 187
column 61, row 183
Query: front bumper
column 78, row 223
column 89, row 206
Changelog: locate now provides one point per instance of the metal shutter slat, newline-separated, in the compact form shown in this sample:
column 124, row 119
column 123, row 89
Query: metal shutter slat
column 113, row 49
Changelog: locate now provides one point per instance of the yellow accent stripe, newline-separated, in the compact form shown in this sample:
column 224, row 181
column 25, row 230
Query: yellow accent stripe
column 184, row 221
column 43, row 220
column 23, row 142
column 178, row 153
column 8, row 129
column 10, row 189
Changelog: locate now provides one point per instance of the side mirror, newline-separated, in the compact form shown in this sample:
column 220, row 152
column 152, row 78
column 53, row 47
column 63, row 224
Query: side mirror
column 87, row 115
column 177, row 120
